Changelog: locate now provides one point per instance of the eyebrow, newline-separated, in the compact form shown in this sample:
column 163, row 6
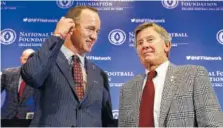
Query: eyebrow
column 91, row 26
column 150, row 36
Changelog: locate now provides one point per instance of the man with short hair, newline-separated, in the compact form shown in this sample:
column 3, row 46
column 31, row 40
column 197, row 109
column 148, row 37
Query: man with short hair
column 72, row 91
column 19, row 102
column 166, row 95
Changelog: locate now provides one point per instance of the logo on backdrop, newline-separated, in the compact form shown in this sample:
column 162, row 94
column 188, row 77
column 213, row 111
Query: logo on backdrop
column 115, row 114
column 216, row 78
column 99, row 58
column 118, row 74
column 204, row 58
column 117, row 37
column 181, row 38
column 8, row 36
column 143, row 20
column 219, row 36
column 27, row 39
column 64, row 3
column 39, row 20
column 106, row 5
column 191, row 5
column 169, row 4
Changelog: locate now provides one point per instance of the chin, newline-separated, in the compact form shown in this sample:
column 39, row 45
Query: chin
column 87, row 50
column 148, row 60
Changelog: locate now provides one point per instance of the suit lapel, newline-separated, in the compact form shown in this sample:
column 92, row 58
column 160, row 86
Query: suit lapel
column 15, row 82
column 137, row 93
column 91, row 77
column 66, row 70
column 169, row 90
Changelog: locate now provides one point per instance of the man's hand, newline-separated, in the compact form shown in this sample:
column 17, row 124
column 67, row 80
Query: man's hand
column 64, row 27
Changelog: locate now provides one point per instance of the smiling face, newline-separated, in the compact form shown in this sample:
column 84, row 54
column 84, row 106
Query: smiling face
column 151, row 47
column 86, row 31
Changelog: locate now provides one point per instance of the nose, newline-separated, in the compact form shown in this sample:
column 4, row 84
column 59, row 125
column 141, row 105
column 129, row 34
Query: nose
column 145, row 45
column 94, row 35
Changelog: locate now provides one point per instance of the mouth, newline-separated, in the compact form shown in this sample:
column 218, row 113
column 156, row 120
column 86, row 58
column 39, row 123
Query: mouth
column 147, row 53
column 89, row 42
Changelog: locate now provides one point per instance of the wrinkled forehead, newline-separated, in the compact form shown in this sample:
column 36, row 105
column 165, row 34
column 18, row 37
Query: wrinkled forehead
column 147, row 32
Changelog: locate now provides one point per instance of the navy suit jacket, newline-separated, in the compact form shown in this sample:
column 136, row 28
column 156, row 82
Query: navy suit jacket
column 57, row 103
column 13, row 106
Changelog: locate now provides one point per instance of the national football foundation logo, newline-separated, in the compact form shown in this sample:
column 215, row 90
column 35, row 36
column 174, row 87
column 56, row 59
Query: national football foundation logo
column 219, row 36
column 64, row 3
column 169, row 4
column 8, row 36
column 117, row 37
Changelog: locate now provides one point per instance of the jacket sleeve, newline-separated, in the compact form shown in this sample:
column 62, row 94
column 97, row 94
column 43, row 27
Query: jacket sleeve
column 121, row 122
column 3, row 81
column 207, row 108
column 107, row 116
column 6, row 77
column 38, row 67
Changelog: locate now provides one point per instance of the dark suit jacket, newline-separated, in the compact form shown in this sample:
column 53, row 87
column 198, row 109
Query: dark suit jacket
column 57, row 102
column 12, row 105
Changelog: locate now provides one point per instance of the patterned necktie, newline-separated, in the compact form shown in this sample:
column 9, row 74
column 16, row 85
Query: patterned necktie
column 21, row 89
column 146, row 118
column 78, row 77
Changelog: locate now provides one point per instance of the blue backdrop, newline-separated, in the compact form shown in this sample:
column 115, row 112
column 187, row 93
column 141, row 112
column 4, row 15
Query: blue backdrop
column 196, row 29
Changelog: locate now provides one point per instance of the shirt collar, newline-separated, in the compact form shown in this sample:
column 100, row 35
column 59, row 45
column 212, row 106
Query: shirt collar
column 161, row 68
column 68, row 54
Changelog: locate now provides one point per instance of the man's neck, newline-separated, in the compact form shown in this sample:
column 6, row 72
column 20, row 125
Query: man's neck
column 151, row 67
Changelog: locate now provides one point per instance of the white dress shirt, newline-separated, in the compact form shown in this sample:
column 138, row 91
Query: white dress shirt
column 20, row 81
column 158, row 86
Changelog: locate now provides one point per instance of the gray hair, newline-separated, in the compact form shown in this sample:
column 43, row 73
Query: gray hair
column 160, row 30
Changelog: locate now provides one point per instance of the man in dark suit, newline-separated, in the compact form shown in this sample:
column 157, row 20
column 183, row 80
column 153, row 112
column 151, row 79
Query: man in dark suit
column 19, row 96
column 170, row 95
column 71, row 90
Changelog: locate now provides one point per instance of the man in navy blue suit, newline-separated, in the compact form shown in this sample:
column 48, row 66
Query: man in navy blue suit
column 19, row 96
column 63, row 99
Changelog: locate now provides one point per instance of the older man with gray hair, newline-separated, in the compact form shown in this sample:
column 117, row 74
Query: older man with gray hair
column 166, row 95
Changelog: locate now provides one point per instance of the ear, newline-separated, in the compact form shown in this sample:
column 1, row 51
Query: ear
column 20, row 59
column 72, row 30
column 167, row 47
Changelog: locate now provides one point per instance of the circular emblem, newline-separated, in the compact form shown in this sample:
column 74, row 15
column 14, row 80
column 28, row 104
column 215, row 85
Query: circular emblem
column 219, row 36
column 8, row 36
column 117, row 37
column 64, row 3
column 115, row 114
column 169, row 4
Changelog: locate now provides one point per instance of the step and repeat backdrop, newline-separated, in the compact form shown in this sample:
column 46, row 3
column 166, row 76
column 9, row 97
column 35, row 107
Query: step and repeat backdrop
column 195, row 26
